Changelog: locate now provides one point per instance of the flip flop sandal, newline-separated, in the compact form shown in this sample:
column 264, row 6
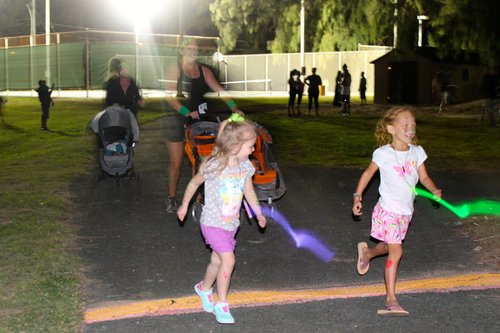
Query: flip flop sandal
column 363, row 266
column 395, row 310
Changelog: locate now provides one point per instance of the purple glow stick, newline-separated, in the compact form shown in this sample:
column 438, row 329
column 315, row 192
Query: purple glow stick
column 302, row 239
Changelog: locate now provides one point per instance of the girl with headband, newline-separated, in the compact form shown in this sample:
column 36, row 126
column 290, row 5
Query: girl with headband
column 227, row 174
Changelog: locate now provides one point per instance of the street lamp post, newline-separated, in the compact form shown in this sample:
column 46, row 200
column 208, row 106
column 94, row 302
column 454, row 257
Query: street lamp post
column 421, row 37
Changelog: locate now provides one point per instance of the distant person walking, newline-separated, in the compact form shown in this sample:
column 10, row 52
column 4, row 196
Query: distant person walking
column 313, row 81
column 227, row 174
column 441, row 86
column 346, row 91
column 338, row 90
column 401, row 166
column 44, row 96
column 362, row 88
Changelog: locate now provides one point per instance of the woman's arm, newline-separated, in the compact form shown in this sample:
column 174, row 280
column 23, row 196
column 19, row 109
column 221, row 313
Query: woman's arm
column 212, row 82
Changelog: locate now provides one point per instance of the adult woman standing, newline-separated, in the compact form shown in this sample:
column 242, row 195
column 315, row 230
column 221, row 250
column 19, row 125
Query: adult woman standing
column 296, row 90
column 196, row 79
column 338, row 90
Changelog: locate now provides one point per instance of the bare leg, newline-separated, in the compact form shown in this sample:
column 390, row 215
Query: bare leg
column 212, row 271
column 175, row 154
column 380, row 249
column 391, row 272
column 227, row 260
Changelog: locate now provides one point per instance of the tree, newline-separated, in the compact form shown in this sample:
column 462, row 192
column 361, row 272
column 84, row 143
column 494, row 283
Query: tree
column 469, row 25
column 287, row 37
column 248, row 20
column 335, row 25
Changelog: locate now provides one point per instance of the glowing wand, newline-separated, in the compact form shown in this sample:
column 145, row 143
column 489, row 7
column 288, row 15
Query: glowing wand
column 487, row 207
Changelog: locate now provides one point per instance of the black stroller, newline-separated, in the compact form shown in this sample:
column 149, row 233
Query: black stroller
column 117, row 133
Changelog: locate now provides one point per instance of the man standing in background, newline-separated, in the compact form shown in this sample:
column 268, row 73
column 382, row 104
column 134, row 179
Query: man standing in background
column 313, row 81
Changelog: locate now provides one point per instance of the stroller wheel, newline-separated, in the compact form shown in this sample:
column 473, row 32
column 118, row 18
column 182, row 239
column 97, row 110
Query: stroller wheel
column 196, row 209
column 101, row 177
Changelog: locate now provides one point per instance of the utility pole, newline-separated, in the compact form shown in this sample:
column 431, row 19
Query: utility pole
column 47, row 40
column 302, row 37
column 32, row 12
column 180, row 40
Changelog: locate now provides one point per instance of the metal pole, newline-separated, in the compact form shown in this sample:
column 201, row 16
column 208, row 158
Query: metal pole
column 395, row 27
column 6, row 52
column 421, row 19
column 87, row 67
column 58, row 63
column 267, row 73
column 302, row 37
column 47, row 40
column 179, row 57
column 32, row 13
column 136, row 55
column 246, row 71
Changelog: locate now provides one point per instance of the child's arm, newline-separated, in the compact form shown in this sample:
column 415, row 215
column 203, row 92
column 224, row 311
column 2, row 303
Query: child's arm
column 191, row 188
column 427, row 181
column 254, row 202
column 365, row 178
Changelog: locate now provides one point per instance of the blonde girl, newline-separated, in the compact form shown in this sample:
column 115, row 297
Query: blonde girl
column 227, row 174
column 401, row 165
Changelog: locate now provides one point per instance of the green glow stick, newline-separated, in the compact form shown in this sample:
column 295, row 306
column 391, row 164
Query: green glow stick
column 486, row 207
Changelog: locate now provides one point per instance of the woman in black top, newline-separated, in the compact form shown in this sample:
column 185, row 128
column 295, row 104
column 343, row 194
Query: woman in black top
column 121, row 89
column 196, row 79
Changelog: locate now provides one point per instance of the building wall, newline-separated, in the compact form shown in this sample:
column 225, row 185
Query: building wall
column 465, row 79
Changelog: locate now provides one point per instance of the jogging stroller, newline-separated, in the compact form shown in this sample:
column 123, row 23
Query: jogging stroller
column 268, row 179
column 117, row 133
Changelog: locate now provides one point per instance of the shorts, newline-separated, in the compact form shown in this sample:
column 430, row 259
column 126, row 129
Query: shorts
column 388, row 227
column 218, row 239
column 173, row 127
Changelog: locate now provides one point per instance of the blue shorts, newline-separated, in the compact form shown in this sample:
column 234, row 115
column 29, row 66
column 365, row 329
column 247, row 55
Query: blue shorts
column 218, row 239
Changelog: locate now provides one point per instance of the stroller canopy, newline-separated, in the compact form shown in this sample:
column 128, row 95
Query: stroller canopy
column 114, row 116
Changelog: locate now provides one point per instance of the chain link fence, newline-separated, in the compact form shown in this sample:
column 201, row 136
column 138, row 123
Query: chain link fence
column 79, row 61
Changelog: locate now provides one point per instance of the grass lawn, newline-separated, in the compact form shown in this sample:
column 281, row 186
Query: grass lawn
column 40, row 275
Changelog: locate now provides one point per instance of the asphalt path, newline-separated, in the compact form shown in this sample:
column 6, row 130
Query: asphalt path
column 133, row 251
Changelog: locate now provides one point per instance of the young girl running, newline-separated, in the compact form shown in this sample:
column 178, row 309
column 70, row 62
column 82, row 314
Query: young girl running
column 227, row 174
column 401, row 165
